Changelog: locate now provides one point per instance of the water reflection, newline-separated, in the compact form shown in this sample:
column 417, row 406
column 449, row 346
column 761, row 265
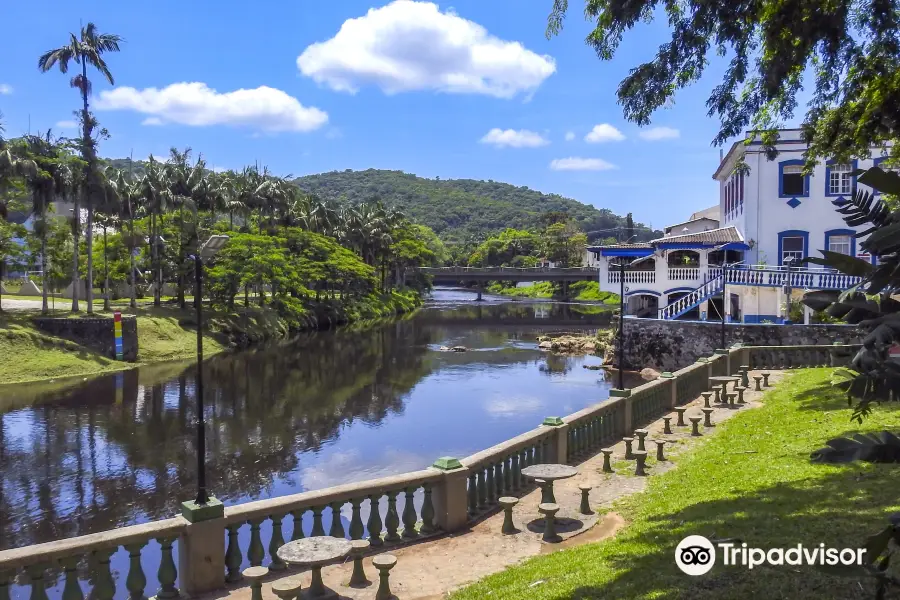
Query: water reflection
column 325, row 409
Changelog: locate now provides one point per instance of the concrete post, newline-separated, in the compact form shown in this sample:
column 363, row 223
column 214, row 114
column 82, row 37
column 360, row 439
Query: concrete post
column 449, row 495
column 201, row 550
column 673, row 388
column 626, row 394
column 562, row 444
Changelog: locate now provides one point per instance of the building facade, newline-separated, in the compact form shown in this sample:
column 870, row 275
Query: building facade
column 770, row 216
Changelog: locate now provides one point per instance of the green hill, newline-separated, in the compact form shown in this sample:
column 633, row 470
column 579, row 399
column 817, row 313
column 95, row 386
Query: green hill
column 460, row 209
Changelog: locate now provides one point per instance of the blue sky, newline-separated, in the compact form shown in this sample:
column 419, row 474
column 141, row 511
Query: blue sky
column 355, row 84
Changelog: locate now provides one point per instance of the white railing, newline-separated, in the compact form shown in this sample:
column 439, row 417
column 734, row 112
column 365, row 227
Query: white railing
column 684, row 274
column 633, row 276
column 807, row 278
column 713, row 272
column 690, row 300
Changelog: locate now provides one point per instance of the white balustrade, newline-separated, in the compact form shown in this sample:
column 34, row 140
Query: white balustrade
column 684, row 274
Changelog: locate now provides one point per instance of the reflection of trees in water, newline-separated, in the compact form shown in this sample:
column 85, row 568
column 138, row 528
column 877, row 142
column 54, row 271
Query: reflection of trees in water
column 86, row 463
column 557, row 364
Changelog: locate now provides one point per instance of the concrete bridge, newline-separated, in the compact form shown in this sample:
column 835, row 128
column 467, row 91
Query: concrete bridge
column 485, row 274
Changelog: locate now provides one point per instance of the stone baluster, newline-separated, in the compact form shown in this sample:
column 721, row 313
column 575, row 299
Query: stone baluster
column 392, row 519
column 428, row 508
column 276, row 542
column 5, row 576
column 297, row 531
column 374, row 522
column 516, row 474
column 472, row 493
column 356, row 525
column 71, row 588
column 104, row 584
column 538, row 454
column 491, row 485
column 168, row 572
column 337, row 526
column 233, row 556
column 136, row 580
column 522, row 464
column 38, row 583
column 480, row 489
column 409, row 514
column 499, row 478
column 255, row 551
column 318, row 529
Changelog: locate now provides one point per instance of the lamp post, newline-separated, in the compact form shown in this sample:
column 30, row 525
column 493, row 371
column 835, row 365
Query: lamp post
column 724, row 294
column 206, row 252
column 622, row 326
column 787, row 305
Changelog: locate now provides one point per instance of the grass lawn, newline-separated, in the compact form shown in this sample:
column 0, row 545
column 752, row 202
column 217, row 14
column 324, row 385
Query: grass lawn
column 753, row 481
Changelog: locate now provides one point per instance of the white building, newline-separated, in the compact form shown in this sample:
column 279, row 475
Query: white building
column 769, row 214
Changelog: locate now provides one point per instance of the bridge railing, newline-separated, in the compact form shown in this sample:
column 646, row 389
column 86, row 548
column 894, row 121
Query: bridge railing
column 443, row 498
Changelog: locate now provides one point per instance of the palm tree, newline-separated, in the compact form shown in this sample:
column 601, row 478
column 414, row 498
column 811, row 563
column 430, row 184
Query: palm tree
column 89, row 47
column 129, row 193
column 108, row 216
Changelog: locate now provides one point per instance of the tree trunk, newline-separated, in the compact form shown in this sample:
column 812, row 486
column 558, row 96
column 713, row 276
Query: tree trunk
column 105, row 272
column 76, row 230
column 44, row 308
column 131, row 256
column 181, row 301
column 89, row 243
column 157, row 283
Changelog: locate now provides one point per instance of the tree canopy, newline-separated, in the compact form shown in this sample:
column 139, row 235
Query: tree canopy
column 848, row 50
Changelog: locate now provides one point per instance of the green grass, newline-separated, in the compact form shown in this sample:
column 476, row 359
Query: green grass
column 579, row 291
column 753, row 480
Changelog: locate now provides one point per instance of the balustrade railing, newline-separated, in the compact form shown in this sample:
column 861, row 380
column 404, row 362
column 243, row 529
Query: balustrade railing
column 594, row 428
column 497, row 471
column 822, row 279
column 388, row 511
column 684, row 274
column 84, row 562
column 632, row 276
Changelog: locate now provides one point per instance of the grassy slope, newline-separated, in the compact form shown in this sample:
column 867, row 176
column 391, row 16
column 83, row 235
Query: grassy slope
column 581, row 291
column 753, row 481
column 164, row 334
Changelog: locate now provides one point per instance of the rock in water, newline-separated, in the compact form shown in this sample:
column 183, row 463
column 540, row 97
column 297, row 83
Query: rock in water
column 545, row 345
column 648, row 374
column 444, row 349
column 458, row 349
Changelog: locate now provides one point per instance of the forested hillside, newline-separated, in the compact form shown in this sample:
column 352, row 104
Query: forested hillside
column 464, row 209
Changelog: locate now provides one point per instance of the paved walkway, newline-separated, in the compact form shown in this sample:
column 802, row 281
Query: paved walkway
column 430, row 569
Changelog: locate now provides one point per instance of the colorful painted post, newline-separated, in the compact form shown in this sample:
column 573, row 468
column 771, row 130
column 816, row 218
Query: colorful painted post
column 117, row 327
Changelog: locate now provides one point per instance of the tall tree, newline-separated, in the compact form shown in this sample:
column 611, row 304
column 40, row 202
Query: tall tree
column 88, row 48
column 629, row 228
column 849, row 50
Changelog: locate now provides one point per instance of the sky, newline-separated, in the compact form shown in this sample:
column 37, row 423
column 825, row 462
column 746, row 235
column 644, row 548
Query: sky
column 461, row 89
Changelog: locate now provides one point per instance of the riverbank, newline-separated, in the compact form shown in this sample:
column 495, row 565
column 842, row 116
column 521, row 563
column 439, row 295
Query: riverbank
column 752, row 480
column 168, row 333
column 579, row 291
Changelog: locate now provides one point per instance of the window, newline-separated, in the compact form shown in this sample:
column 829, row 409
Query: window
column 839, row 243
column 793, row 183
column 839, row 179
column 792, row 249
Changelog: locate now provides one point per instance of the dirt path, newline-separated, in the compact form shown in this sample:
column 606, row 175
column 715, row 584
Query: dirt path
column 430, row 569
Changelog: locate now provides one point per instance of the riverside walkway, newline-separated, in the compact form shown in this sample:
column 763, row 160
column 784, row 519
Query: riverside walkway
column 431, row 569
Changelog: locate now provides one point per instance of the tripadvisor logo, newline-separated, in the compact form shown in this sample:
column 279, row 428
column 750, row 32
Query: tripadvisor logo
column 696, row 555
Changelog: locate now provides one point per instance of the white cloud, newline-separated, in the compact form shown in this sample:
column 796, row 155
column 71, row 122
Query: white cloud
column 570, row 135
column 604, row 132
column 659, row 133
column 407, row 46
column 575, row 163
column 509, row 406
column 196, row 104
column 522, row 138
column 66, row 124
column 5, row 89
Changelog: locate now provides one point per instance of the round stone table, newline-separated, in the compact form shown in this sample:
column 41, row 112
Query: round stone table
column 314, row 552
column 724, row 380
column 548, row 474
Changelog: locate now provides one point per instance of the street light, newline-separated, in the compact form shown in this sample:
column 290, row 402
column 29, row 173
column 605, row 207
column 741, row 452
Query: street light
column 207, row 251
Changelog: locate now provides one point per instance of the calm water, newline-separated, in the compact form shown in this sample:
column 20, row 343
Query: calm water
column 326, row 409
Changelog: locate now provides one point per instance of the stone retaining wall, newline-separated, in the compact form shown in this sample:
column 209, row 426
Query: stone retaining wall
column 672, row 345
column 95, row 333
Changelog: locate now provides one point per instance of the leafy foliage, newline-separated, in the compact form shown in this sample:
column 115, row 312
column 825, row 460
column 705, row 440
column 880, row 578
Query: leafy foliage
column 871, row 304
column 849, row 48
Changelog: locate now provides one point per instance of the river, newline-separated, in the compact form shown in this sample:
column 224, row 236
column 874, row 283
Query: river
column 324, row 409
